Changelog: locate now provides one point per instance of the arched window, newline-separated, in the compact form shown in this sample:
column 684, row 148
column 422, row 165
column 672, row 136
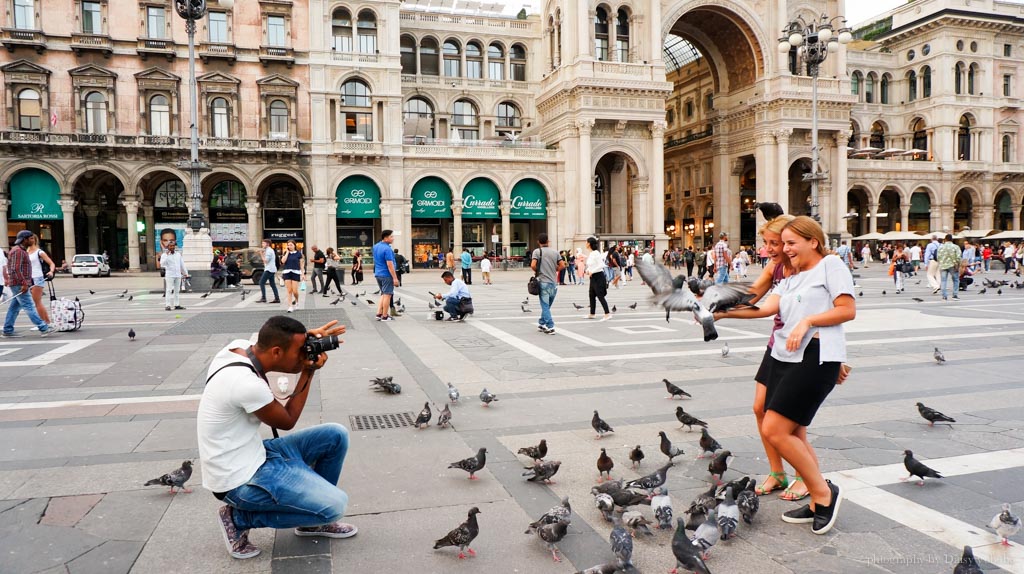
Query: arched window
column 279, row 120
column 926, row 82
column 1007, row 142
column 159, row 116
column 96, row 113
column 517, row 54
column 622, row 35
column 418, row 118
column 510, row 119
column 407, row 49
column 29, row 110
column 883, row 90
column 958, row 78
column 495, row 62
column 855, row 81
column 356, row 114
column 920, row 135
column 341, row 30
column 474, row 60
column 601, row 34
column 429, row 65
column 452, row 58
column 170, row 193
column 964, row 139
column 25, row 14
column 219, row 118
column 911, row 86
column 877, row 135
column 228, row 193
column 465, row 120
column 869, row 88
column 366, row 26
column 972, row 72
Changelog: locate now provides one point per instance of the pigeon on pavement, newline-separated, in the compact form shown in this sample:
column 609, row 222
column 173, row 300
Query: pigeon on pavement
column 967, row 564
column 205, row 295
column 424, row 417
column 552, row 534
column 625, row 498
column 725, row 349
column 473, row 464
column 748, row 503
column 542, row 471
column 622, row 543
column 600, row 426
column 604, row 466
column 453, row 393
column 523, row 307
column 651, row 481
column 131, row 334
column 661, row 504
column 176, row 478
column 633, row 306
column 687, row 554
column 336, row 301
column 463, row 535
column 386, row 384
column 635, row 521
column 719, row 465
column 577, row 307
column 1006, row 524
column 615, row 309
column 704, row 502
column 707, row 534
column 557, row 513
column 917, row 468
column 605, row 504
column 728, row 515
column 487, row 397
column 708, row 444
column 688, row 420
column 939, row 357
column 600, row 569
column 669, row 449
column 444, row 418
column 608, row 487
column 131, row 298
column 674, row 391
column 933, row 416
column 91, row 292
column 535, row 452
column 636, row 455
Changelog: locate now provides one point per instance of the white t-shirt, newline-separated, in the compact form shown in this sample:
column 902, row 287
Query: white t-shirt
column 1008, row 252
column 3, row 266
column 37, row 267
column 172, row 264
column 595, row 262
column 809, row 293
column 271, row 259
column 915, row 253
column 865, row 252
column 485, row 265
column 230, row 446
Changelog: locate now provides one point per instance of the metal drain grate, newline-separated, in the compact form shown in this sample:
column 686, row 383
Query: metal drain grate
column 382, row 422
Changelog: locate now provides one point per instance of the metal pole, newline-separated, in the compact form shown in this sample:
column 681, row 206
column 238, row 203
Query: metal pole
column 814, row 144
column 197, row 193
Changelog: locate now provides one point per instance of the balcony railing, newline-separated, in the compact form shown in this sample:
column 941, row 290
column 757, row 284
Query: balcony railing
column 282, row 54
column 687, row 139
column 355, row 57
column 15, row 37
column 217, row 50
column 460, row 83
column 156, row 46
column 82, row 42
column 477, row 149
column 150, row 141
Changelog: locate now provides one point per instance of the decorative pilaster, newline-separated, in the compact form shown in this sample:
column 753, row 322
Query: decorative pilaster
column 91, row 213
column 506, row 227
column 131, row 208
column 150, row 247
column 457, row 223
column 656, row 213
column 840, row 184
column 586, row 174
column 67, row 208
column 5, row 204
column 782, row 167
column 252, row 211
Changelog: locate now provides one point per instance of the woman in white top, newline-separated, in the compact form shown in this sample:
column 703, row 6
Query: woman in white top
column 36, row 255
column 485, row 269
column 808, row 354
column 598, row 280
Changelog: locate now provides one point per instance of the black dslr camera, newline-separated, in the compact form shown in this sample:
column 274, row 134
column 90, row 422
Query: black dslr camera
column 316, row 345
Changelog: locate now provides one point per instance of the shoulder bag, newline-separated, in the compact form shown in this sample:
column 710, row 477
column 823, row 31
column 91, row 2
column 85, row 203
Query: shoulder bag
column 533, row 285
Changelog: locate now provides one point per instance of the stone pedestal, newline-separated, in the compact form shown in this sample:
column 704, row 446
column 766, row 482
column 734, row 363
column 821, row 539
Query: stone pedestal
column 197, row 252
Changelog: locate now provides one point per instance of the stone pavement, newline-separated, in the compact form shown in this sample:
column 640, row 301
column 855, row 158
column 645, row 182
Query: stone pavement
column 87, row 417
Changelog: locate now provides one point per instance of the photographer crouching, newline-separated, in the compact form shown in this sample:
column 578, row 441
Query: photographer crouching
column 286, row 482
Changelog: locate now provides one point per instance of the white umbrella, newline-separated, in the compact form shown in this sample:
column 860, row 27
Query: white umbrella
column 940, row 234
column 915, row 151
column 902, row 236
column 891, row 151
column 1019, row 234
column 975, row 233
column 869, row 237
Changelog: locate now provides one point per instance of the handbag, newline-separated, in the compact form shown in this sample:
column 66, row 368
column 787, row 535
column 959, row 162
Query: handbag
column 533, row 285
column 466, row 306
column 302, row 286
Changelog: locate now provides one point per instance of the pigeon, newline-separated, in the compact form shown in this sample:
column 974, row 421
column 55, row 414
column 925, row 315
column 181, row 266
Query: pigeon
column 982, row 292
column 370, row 301
column 600, row 426
column 728, row 515
column 748, row 503
column 336, row 301
column 487, row 397
column 738, row 485
column 91, row 292
column 719, row 465
column 770, row 211
column 625, row 498
column 917, row 468
column 577, row 307
column 635, row 521
column 604, row 466
column 600, row 569
column 725, row 350
column 704, row 502
column 651, row 481
column 967, row 564
column 244, row 293
column 918, row 299
column 353, row 303
column 473, row 464
column 542, row 471
column 552, row 534
column 622, row 543
column 667, row 448
column 397, row 301
column 123, row 293
column 385, row 384
column 999, row 291
column 688, row 420
column 76, row 298
column 462, row 535
column 176, row 478
column 131, row 298
column 609, row 487
column 556, row 514
column 453, row 393
column 605, row 504
column 695, row 519
column 675, row 391
column 668, row 292
column 536, row 452
column 939, row 357
column 523, row 307
column 708, row 444
column 525, row 301
column 131, row 334
column 661, row 504
column 401, row 309
column 883, row 291
column 933, row 416
column 707, row 534
column 424, row 417
column 687, row 554
column 205, row 295
column 633, row 306
column 636, row 455
column 860, row 294
column 1006, row 524
column 444, row 418
column 377, row 292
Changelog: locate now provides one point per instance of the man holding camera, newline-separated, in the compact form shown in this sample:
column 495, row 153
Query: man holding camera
column 286, row 482
column 453, row 299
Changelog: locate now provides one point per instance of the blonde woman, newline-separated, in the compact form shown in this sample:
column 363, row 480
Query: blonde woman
column 294, row 271
column 37, row 257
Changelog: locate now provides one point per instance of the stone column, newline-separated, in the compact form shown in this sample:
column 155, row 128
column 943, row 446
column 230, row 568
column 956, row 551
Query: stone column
column 457, row 223
column 552, row 223
column 763, row 165
column 586, row 218
column 67, row 208
column 311, row 224
column 782, row 168
column 252, row 211
column 656, row 212
column 4, row 205
column 150, row 247
column 873, row 217
column 904, row 217
column 1016, row 220
column 641, row 209
column 91, row 213
column 506, row 226
column 131, row 208
column 840, row 184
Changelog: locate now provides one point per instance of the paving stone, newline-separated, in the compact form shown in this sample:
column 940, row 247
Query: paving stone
column 111, row 557
column 320, row 564
column 68, row 510
column 36, row 547
column 172, row 434
column 128, row 515
column 76, row 440
column 25, row 514
column 833, row 443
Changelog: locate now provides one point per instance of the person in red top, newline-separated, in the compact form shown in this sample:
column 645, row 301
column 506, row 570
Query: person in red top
column 18, row 275
column 986, row 255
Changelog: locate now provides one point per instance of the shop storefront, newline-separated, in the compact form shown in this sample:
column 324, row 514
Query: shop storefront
column 34, row 206
column 170, row 212
column 229, row 221
column 481, row 216
column 528, row 215
column 357, row 216
column 283, row 215
column 431, row 206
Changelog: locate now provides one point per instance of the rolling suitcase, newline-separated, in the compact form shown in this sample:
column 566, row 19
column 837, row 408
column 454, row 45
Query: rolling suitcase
column 65, row 314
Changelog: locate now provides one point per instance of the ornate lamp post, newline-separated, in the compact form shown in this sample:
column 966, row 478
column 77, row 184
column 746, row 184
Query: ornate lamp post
column 191, row 11
column 814, row 41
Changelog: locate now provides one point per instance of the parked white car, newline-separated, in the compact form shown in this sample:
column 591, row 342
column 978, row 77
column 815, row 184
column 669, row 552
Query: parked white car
column 89, row 265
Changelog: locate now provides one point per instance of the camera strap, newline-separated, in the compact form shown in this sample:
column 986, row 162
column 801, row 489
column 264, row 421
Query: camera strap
column 258, row 368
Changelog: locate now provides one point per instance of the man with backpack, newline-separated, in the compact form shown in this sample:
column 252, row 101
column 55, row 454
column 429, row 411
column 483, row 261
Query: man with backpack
column 688, row 258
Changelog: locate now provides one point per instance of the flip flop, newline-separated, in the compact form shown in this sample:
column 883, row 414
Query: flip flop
column 781, row 482
column 791, row 496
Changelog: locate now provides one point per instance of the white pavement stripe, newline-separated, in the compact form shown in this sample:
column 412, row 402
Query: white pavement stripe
column 97, row 402
column 528, row 348
column 46, row 358
column 871, row 476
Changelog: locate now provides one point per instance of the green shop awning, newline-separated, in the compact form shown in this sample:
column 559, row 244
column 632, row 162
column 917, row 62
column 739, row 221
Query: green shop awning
column 480, row 199
column 529, row 200
column 35, row 195
column 358, row 197
column 431, row 197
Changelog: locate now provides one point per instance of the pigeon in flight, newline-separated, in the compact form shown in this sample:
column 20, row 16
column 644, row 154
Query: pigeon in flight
column 675, row 391
column 967, row 564
column 176, row 478
column 444, row 418
column 719, row 465
column 933, row 416
column 725, row 349
column 552, row 534
column 453, row 393
column 651, row 481
column 605, row 464
column 769, row 210
column 661, row 505
column 1006, row 524
column 600, row 426
column 673, row 295
column 463, row 535
column 487, row 397
column 131, row 334
column 556, row 514
column 473, row 464
column 205, row 295
column 424, row 417
column 542, row 471
column 687, row 554
column 535, row 452
column 636, row 455
column 622, row 543
column 688, row 420
column 728, row 515
column 708, row 444
column 939, row 357
column 667, row 448
column 917, row 468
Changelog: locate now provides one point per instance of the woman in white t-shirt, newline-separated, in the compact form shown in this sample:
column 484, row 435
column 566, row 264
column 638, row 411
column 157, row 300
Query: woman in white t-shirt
column 598, row 281
column 36, row 256
column 485, row 270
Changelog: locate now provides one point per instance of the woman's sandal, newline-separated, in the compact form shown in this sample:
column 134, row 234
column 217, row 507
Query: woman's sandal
column 781, row 482
column 791, row 496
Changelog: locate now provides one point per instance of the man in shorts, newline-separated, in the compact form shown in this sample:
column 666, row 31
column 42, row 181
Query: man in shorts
column 385, row 272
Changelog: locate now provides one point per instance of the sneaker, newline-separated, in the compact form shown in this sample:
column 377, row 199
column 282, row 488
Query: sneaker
column 179, row 308
column 541, row 328
column 956, row 297
column 45, row 333
column 168, row 308
column 825, row 516
column 387, row 318
column 258, row 301
column 237, row 542
column 802, row 515
column 275, row 301
column 12, row 335
column 606, row 318
column 453, row 319
column 936, row 290
column 290, row 309
column 550, row 330
column 332, row 530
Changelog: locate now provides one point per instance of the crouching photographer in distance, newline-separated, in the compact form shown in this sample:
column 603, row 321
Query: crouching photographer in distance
column 284, row 482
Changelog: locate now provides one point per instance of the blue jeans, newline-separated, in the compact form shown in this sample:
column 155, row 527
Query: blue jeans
column 18, row 302
column 547, row 298
column 722, row 274
column 268, row 277
column 297, row 485
column 451, row 306
column 954, row 273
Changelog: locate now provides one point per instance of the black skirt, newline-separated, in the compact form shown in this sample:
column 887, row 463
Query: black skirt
column 797, row 390
column 764, row 372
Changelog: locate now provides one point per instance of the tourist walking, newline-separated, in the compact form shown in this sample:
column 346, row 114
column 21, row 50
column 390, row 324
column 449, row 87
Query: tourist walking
column 174, row 272
column 581, row 266
column 485, row 270
column 595, row 268
column 466, row 262
column 319, row 261
column 19, row 280
column 385, row 273
column 931, row 264
column 948, row 259
column 293, row 273
column 547, row 265
column 357, row 267
column 333, row 271
column 723, row 259
column 40, row 276
column 269, row 272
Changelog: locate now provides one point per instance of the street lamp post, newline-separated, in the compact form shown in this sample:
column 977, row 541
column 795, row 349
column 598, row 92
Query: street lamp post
column 814, row 41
